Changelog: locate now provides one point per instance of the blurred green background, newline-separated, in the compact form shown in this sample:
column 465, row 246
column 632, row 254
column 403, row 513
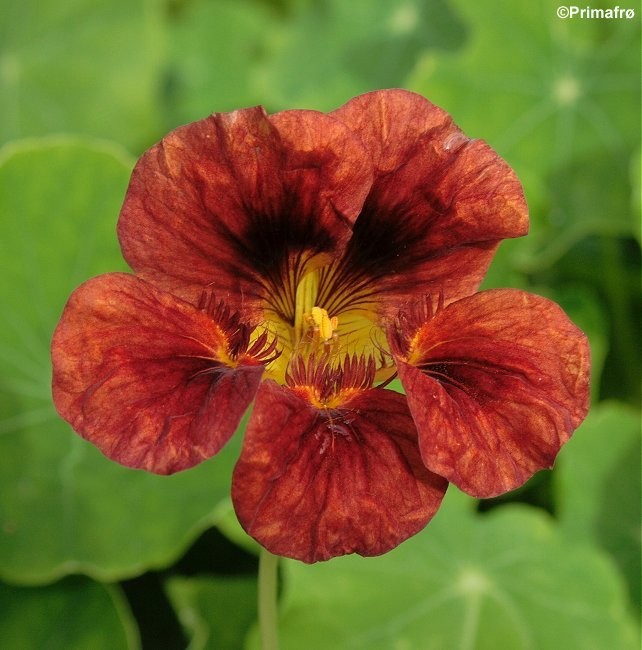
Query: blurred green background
column 93, row 555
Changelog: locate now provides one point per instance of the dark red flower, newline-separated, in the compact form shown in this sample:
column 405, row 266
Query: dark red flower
column 303, row 260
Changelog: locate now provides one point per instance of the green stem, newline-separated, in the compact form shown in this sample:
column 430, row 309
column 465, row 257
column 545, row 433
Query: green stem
column 268, row 569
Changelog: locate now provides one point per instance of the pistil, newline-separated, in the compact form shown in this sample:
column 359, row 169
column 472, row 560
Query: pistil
column 305, row 300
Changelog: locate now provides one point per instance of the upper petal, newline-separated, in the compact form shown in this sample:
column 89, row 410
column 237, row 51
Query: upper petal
column 440, row 202
column 314, row 483
column 496, row 384
column 225, row 201
column 152, row 381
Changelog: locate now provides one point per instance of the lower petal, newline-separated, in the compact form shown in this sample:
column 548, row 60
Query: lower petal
column 313, row 484
column 145, row 376
column 496, row 384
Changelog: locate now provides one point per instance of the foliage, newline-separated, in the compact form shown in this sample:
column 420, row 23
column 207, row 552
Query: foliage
column 84, row 88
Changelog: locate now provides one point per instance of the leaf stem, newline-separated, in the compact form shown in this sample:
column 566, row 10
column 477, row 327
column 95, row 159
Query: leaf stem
column 268, row 570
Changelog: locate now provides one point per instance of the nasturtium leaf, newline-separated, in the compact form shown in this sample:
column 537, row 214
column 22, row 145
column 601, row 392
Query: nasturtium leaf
column 503, row 271
column 328, row 52
column 597, row 486
column 63, row 506
column 228, row 524
column 560, row 99
column 213, row 49
column 73, row 614
column 77, row 66
column 505, row 579
column 589, row 196
column 215, row 612
column 567, row 88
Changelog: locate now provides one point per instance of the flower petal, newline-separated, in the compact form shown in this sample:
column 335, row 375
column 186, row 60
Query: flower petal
column 146, row 377
column 225, row 201
column 496, row 384
column 312, row 485
column 440, row 202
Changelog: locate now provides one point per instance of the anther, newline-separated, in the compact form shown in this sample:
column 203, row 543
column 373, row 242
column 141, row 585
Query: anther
column 321, row 323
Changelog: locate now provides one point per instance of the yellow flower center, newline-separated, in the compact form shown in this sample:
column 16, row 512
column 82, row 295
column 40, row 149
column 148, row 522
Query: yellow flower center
column 322, row 326
column 313, row 313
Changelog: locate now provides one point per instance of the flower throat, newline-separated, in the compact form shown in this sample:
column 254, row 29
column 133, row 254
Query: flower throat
column 328, row 322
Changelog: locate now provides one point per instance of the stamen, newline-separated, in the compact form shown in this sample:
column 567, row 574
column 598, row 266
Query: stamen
column 322, row 325
column 333, row 313
column 306, row 295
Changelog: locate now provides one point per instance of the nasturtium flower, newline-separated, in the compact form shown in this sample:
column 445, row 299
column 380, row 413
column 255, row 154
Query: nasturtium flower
column 302, row 261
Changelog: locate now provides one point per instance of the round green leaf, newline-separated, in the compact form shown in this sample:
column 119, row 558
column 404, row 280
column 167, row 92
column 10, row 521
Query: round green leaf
column 560, row 100
column 77, row 66
column 597, row 486
column 63, row 506
column 214, row 49
column 215, row 612
column 331, row 51
column 501, row 580
column 229, row 525
column 74, row 614
column 541, row 89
